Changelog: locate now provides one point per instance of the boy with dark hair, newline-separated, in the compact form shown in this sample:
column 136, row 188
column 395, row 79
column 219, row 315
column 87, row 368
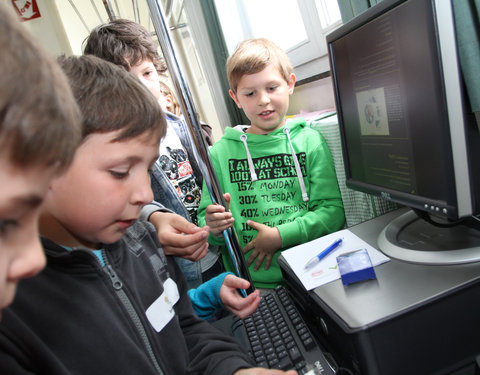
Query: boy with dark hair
column 278, row 173
column 129, row 45
column 176, row 183
column 124, row 43
column 109, row 301
column 39, row 131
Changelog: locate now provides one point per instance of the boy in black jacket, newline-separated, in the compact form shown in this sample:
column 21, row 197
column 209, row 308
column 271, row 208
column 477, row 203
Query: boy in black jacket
column 109, row 301
column 39, row 131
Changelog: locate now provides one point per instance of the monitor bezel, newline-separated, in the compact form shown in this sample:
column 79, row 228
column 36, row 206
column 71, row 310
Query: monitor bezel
column 463, row 205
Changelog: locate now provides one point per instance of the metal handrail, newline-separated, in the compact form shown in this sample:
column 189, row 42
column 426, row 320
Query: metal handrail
column 200, row 146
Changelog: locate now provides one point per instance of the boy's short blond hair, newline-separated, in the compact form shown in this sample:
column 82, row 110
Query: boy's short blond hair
column 39, row 119
column 252, row 56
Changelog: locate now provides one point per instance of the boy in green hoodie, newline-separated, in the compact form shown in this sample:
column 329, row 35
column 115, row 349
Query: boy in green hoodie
column 278, row 176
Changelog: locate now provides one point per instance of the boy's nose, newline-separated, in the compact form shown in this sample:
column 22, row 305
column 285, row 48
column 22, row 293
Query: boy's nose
column 142, row 191
column 30, row 259
column 264, row 99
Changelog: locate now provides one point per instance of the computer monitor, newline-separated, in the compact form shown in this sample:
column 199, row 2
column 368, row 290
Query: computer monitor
column 407, row 132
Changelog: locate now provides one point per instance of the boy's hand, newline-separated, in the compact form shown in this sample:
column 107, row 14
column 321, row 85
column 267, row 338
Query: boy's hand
column 264, row 245
column 233, row 301
column 217, row 219
column 179, row 237
column 263, row 371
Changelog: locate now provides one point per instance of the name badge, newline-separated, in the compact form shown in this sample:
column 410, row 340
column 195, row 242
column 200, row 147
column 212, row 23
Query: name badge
column 161, row 311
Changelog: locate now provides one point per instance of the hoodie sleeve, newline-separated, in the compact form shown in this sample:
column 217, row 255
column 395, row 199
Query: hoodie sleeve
column 150, row 208
column 325, row 214
column 204, row 202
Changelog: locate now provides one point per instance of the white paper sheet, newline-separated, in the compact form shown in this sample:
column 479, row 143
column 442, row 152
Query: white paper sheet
column 327, row 270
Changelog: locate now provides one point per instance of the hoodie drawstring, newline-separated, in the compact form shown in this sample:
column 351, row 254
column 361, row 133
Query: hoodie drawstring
column 297, row 166
column 243, row 138
column 298, row 170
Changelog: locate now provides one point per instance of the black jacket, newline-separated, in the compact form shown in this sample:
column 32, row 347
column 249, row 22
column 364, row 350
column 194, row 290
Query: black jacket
column 76, row 318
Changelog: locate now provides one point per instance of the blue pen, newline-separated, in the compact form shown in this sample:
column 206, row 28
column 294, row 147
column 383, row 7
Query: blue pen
column 312, row 262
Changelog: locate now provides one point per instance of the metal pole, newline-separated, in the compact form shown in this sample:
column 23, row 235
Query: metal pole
column 201, row 149
column 109, row 9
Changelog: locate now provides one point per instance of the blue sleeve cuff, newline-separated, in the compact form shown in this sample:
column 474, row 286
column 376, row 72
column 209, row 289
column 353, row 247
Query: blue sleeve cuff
column 206, row 298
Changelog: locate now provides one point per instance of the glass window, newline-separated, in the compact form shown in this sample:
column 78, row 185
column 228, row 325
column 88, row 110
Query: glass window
column 283, row 12
column 328, row 12
column 299, row 27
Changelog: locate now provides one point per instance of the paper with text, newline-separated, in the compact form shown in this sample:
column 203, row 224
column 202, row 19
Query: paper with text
column 327, row 270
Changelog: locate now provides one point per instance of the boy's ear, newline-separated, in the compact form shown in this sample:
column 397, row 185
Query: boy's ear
column 169, row 100
column 234, row 97
column 291, row 83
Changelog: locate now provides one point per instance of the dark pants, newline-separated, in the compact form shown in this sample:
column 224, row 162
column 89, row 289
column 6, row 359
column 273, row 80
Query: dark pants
column 216, row 269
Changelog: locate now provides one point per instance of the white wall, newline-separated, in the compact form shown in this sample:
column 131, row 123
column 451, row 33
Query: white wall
column 48, row 29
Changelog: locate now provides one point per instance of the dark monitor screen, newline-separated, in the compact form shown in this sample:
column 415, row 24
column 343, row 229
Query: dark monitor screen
column 406, row 132
column 392, row 105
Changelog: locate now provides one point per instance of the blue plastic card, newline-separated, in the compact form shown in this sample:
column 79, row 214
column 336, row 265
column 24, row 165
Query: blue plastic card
column 355, row 266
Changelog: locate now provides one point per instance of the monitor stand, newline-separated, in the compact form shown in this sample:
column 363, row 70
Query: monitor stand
column 412, row 239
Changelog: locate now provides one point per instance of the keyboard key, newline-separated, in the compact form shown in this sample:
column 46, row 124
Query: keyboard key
column 276, row 339
column 304, row 336
column 279, row 346
column 295, row 354
column 296, row 320
column 252, row 336
column 268, row 352
column 262, row 332
column 272, row 363
column 264, row 337
column 274, row 332
column 309, row 343
column 302, row 331
column 281, row 349
column 300, row 366
column 263, row 364
column 285, row 363
column 268, row 345
column 290, row 344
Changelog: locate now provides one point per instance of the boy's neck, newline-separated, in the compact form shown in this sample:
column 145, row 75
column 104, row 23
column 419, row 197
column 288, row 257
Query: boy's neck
column 51, row 228
column 254, row 129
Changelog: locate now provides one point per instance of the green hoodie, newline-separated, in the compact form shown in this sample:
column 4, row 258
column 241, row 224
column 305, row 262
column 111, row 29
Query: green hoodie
column 303, row 206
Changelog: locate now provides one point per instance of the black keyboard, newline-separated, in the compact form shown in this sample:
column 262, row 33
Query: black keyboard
column 276, row 336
